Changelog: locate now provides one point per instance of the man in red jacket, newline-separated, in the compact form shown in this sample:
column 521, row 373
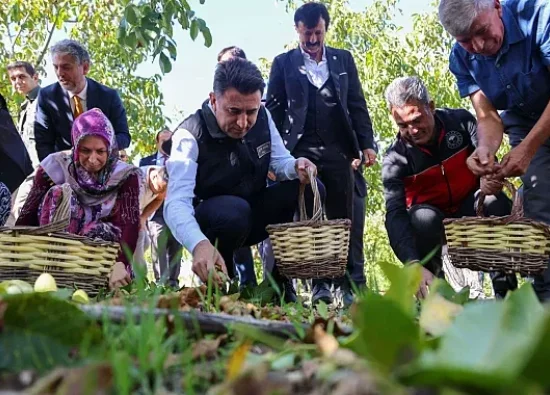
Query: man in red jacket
column 426, row 178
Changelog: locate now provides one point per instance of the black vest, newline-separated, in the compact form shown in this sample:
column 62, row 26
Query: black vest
column 228, row 166
column 324, row 123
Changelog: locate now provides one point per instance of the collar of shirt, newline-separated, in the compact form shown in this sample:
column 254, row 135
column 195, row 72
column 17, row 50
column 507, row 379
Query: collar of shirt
column 83, row 94
column 317, row 73
column 512, row 31
column 33, row 94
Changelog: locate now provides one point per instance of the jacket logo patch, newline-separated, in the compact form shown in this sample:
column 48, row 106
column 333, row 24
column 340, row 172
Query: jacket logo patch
column 264, row 149
column 454, row 139
column 233, row 159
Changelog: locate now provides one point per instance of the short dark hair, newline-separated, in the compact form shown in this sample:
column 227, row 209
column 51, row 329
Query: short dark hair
column 310, row 13
column 160, row 132
column 233, row 50
column 240, row 74
column 20, row 64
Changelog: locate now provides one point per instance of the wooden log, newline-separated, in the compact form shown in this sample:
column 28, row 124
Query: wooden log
column 218, row 323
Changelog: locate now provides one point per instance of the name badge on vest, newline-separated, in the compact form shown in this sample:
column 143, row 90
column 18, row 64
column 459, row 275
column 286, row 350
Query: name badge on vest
column 264, row 149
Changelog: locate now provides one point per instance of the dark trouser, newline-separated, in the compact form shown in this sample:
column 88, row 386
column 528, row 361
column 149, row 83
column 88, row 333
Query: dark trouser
column 356, row 261
column 536, row 186
column 244, row 264
column 166, row 252
column 427, row 222
column 231, row 222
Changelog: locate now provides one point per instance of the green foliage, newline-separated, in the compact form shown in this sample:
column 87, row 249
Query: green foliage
column 32, row 336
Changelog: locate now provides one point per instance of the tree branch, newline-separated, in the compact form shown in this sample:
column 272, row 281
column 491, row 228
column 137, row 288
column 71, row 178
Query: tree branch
column 18, row 34
column 48, row 40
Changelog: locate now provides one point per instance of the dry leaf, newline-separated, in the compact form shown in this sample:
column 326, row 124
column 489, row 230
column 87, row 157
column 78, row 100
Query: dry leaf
column 326, row 343
column 208, row 348
column 438, row 314
column 192, row 296
column 237, row 359
column 96, row 379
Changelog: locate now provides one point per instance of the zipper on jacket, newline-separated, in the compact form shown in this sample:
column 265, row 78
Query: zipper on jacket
column 446, row 182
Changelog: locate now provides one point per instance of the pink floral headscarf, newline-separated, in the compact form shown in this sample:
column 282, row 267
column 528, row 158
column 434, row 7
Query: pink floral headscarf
column 91, row 189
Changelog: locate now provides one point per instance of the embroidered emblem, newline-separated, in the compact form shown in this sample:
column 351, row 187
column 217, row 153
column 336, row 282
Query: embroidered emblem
column 233, row 159
column 454, row 139
column 264, row 149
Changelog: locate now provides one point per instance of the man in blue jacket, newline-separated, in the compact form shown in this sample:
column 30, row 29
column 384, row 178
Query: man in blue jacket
column 501, row 61
column 60, row 103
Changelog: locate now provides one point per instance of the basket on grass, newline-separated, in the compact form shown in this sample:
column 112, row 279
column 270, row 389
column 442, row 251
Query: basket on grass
column 311, row 248
column 74, row 261
column 512, row 243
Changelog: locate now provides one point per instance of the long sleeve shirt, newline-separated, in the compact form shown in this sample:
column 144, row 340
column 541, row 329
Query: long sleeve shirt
column 182, row 170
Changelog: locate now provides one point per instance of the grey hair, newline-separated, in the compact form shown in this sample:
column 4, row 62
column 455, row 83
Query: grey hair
column 457, row 16
column 73, row 48
column 403, row 90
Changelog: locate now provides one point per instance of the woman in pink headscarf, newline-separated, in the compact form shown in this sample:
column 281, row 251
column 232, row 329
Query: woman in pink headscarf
column 90, row 185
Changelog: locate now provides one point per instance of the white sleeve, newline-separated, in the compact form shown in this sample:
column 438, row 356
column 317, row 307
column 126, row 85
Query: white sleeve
column 179, row 213
column 282, row 163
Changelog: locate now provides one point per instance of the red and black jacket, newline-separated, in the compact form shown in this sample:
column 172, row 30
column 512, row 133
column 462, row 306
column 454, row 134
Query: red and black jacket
column 436, row 176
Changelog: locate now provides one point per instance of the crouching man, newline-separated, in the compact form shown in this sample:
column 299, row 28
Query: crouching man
column 218, row 199
column 426, row 178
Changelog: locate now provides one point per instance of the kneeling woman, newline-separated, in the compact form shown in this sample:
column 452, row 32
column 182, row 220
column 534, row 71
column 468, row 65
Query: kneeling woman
column 90, row 185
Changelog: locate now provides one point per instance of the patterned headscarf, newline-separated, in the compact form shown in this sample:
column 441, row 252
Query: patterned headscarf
column 92, row 189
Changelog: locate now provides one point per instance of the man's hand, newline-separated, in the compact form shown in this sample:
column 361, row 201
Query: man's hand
column 369, row 157
column 491, row 186
column 515, row 162
column 482, row 161
column 206, row 259
column 355, row 164
column 301, row 165
column 427, row 279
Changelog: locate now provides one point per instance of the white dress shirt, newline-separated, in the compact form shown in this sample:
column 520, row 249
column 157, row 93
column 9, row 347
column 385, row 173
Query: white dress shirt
column 161, row 159
column 317, row 73
column 83, row 95
column 182, row 170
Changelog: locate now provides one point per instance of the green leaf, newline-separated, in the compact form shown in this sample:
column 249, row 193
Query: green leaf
column 443, row 288
column 487, row 346
column 262, row 294
column 207, row 37
column 386, row 334
column 404, row 284
column 322, row 309
column 194, row 30
column 165, row 63
column 40, row 329
column 131, row 14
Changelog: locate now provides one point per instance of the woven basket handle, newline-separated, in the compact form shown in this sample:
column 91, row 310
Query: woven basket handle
column 517, row 205
column 317, row 208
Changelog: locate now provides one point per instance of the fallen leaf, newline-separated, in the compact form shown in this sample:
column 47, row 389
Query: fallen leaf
column 96, row 379
column 237, row 359
column 208, row 348
column 192, row 296
column 326, row 343
column 438, row 314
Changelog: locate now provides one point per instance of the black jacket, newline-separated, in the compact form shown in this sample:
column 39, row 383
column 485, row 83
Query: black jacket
column 437, row 176
column 287, row 98
column 15, row 164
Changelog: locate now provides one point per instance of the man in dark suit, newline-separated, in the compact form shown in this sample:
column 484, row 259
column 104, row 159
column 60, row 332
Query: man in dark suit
column 60, row 103
column 165, row 248
column 316, row 100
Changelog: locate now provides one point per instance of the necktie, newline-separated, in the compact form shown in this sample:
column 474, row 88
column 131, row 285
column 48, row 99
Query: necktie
column 77, row 106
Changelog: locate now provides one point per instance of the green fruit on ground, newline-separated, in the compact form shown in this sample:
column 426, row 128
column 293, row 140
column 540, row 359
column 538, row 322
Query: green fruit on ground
column 12, row 287
column 45, row 283
column 80, row 296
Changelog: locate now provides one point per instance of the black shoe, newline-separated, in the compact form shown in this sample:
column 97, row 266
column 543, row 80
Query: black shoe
column 288, row 291
column 321, row 292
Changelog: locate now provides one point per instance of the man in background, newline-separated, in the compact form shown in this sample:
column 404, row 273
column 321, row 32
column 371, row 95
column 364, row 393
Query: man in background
column 166, row 250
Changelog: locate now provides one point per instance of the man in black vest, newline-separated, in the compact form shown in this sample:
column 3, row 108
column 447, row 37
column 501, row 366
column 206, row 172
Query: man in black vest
column 217, row 197
column 317, row 103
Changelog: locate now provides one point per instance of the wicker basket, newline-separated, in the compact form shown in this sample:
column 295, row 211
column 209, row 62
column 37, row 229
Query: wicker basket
column 311, row 248
column 510, row 244
column 74, row 261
